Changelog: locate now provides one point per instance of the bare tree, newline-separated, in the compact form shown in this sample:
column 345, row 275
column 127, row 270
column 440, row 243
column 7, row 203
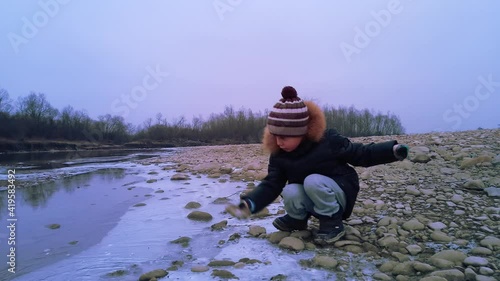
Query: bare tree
column 5, row 102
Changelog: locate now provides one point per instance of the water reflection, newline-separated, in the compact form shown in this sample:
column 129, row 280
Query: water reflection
column 61, row 159
column 37, row 196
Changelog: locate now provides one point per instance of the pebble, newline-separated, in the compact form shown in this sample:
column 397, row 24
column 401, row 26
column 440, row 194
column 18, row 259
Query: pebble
column 410, row 216
column 325, row 262
column 292, row 243
column 200, row 216
column 200, row 268
column 256, row 230
column 179, row 177
column 276, row 237
column 476, row 261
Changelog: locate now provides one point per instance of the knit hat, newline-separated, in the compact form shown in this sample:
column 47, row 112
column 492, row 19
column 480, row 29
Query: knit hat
column 289, row 117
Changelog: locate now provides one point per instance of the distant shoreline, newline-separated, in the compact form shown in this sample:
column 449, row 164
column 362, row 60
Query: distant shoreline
column 32, row 146
column 8, row 146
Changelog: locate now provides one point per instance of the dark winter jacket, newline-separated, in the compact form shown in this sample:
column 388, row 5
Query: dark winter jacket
column 327, row 154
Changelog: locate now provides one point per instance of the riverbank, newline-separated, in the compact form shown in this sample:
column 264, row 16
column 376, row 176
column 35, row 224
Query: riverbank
column 34, row 145
column 433, row 216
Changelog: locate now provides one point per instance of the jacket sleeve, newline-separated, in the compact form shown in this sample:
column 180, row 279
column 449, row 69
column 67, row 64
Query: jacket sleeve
column 268, row 189
column 366, row 155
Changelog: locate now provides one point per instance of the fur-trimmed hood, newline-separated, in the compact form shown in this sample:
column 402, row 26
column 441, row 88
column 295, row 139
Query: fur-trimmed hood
column 315, row 128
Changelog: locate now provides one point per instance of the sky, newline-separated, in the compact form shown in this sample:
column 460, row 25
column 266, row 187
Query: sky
column 435, row 64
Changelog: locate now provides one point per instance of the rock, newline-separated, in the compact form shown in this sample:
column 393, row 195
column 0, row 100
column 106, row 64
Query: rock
column 225, row 170
column 456, row 257
column 355, row 222
column 249, row 261
column 481, row 251
column 117, row 273
column 420, row 149
column 486, row 271
column 353, row 249
column 436, row 225
column 412, row 190
column 158, row 273
column 381, row 276
column 292, row 243
column 223, row 274
column 421, row 158
column 54, row 226
column 200, row 268
column 256, row 230
column 474, row 185
column 385, row 221
column 493, row 191
column 325, row 262
column 184, row 241
column 221, row 200
column 140, row 205
column 405, row 268
column 178, row 177
column 343, row 243
column 467, row 163
column 422, row 267
column 200, row 216
column 301, row 234
column 234, row 236
column 475, row 261
column 490, row 242
column 450, row 274
column 276, row 237
column 239, row 265
column 388, row 266
column 192, row 205
column 206, row 168
column 414, row 249
column 492, row 210
column 216, row 263
column 413, row 225
column 219, row 226
column 388, row 241
column 440, row 236
column 470, row 274
column 433, row 278
column 485, row 278
column 279, row 277
column 442, row 263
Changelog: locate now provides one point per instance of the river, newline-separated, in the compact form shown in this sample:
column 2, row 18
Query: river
column 104, row 216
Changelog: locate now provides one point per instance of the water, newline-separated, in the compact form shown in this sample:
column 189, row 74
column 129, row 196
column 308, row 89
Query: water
column 103, row 231
column 85, row 196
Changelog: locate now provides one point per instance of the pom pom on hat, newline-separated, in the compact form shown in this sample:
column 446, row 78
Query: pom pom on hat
column 289, row 92
column 289, row 116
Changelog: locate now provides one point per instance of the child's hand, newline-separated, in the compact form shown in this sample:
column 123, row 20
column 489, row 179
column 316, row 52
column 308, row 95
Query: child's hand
column 400, row 151
column 241, row 211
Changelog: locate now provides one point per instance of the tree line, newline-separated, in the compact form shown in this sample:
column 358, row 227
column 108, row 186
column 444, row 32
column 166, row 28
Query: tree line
column 33, row 117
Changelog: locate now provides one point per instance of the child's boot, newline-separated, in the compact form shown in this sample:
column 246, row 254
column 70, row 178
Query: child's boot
column 331, row 229
column 287, row 223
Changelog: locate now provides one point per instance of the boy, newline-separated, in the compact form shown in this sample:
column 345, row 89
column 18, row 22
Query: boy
column 309, row 167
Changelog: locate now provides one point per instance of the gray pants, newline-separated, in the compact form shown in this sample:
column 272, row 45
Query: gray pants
column 318, row 195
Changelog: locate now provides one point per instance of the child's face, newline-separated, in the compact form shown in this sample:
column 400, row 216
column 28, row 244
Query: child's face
column 288, row 144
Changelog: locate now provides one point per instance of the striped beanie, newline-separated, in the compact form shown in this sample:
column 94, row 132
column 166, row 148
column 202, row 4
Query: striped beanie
column 289, row 117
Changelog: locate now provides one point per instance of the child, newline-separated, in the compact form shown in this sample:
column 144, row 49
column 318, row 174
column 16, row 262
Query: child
column 309, row 167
